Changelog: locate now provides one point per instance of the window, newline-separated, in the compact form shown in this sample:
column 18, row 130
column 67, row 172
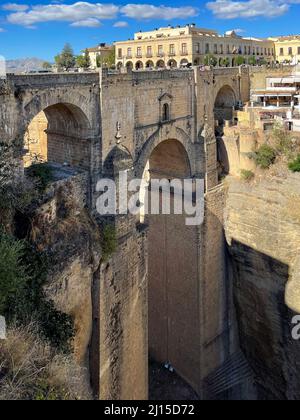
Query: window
column 221, row 49
column 298, row 50
column 184, row 48
column 281, row 52
column 129, row 53
column 215, row 48
column 207, row 49
column 120, row 53
column 160, row 50
column 198, row 50
column 228, row 49
column 269, row 51
column 139, row 52
column 172, row 49
column 149, row 51
column 290, row 51
column 166, row 113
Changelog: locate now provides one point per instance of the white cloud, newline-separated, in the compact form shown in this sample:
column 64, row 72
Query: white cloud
column 121, row 24
column 238, row 31
column 87, row 23
column 229, row 9
column 15, row 7
column 2, row 30
column 73, row 13
column 148, row 11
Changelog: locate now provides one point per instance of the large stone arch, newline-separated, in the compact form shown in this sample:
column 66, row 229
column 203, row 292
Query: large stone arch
column 173, row 272
column 56, row 130
column 166, row 132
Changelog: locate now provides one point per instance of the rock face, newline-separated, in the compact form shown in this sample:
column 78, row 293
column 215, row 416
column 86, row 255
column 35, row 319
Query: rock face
column 262, row 226
column 63, row 229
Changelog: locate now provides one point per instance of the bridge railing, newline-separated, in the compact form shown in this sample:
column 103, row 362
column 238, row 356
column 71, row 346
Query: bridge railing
column 47, row 79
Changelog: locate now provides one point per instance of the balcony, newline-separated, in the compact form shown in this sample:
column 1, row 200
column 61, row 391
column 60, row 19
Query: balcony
column 149, row 55
column 139, row 56
column 172, row 54
column 129, row 57
column 160, row 55
column 184, row 53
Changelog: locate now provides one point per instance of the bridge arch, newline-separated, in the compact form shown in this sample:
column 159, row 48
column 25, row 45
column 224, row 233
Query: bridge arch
column 223, row 110
column 172, row 277
column 225, row 101
column 58, row 134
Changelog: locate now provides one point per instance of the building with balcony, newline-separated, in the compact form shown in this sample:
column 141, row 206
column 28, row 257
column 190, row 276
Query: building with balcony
column 287, row 49
column 183, row 46
column 278, row 102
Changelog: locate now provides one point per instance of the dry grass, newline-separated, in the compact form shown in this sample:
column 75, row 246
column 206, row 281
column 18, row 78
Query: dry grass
column 31, row 370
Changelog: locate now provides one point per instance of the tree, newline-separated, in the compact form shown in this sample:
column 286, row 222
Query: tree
column 107, row 60
column 210, row 60
column 252, row 61
column 46, row 65
column 226, row 62
column 240, row 60
column 66, row 59
column 84, row 61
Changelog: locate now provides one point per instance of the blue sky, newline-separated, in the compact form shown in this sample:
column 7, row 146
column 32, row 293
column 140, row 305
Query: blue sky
column 40, row 28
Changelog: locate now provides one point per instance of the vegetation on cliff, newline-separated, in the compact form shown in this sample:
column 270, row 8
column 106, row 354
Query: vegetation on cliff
column 31, row 355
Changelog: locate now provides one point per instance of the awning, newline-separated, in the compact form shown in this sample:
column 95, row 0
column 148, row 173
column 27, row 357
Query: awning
column 284, row 79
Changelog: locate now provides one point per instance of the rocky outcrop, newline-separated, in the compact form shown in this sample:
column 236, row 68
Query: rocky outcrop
column 262, row 226
column 63, row 229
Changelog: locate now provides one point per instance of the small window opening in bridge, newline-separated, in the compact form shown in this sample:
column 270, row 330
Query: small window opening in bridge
column 58, row 135
column 166, row 113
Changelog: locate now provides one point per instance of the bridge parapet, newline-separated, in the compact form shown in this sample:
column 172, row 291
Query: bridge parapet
column 52, row 79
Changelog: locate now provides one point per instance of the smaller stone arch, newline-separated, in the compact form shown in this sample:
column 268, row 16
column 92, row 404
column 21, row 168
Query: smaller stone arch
column 172, row 64
column 160, row 64
column 221, row 62
column 139, row 65
column 184, row 62
column 129, row 65
column 119, row 65
column 149, row 64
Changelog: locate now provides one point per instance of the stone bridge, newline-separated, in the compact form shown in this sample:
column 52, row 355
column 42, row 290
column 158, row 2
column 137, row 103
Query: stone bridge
column 163, row 293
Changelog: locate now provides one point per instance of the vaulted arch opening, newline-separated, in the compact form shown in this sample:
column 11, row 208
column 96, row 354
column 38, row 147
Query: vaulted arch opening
column 224, row 111
column 160, row 64
column 58, row 135
column 224, row 104
column 173, row 299
column 139, row 65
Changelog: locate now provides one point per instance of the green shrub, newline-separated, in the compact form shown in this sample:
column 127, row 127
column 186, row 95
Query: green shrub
column 13, row 271
column 265, row 156
column 247, row 175
column 294, row 166
column 31, row 303
column 42, row 172
column 283, row 140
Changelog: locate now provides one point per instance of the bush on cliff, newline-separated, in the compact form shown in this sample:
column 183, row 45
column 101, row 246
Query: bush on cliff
column 247, row 175
column 13, row 272
column 265, row 156
column 31, row 370
column 294, row 166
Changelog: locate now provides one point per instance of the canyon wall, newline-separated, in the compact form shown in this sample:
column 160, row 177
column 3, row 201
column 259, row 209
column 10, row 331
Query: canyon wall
column 262, row 226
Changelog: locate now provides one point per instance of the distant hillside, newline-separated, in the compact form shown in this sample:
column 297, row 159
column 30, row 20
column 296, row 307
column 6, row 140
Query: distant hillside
column 24, row 65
